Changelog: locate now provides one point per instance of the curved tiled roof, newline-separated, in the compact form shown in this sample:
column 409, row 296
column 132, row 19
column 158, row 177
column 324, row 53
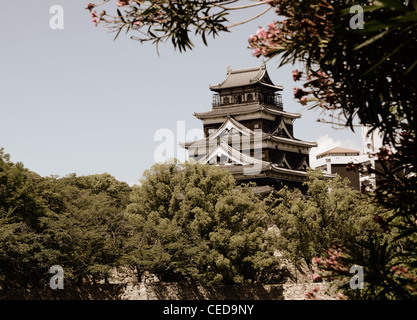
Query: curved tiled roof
column 243, row 109
column 250, row 134
column 246, row 77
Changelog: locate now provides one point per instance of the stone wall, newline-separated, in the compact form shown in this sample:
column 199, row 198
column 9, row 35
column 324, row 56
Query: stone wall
column 171, row 291
column 183, row 291
column 290, row 284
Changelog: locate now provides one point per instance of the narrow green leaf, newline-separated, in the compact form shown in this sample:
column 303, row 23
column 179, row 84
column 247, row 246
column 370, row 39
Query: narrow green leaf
column 381, row 61
column 120, row 16
column 371, row 40
column 393, row 4
column 410, row 68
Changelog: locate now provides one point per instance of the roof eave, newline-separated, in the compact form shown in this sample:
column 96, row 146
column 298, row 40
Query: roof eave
column 219, row 87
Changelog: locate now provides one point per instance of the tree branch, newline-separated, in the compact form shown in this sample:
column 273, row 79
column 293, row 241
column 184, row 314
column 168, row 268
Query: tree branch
column 253, row 18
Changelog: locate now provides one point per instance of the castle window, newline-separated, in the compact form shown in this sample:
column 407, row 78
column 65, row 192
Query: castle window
column 226, row 100
column 249, row 97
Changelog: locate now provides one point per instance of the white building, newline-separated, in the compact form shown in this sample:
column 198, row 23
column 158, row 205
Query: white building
column 334, row 161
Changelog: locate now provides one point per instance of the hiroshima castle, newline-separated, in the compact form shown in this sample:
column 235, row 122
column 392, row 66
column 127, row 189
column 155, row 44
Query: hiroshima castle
column 248, row 132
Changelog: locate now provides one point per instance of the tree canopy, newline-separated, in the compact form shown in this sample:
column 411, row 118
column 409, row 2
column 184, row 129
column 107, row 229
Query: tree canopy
column 193, row 223
column 184, row 222
column 333, row 213
column 190, row 222
column 74, row 222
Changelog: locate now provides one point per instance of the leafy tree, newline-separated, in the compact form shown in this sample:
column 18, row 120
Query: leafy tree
column 85, row 225
column 389, row 271
column 192, row 223
column 88, row 238
column 336, row 228
column 22, row 255
column 163, row 20
column 116, row 191
column 332, row 213
column 75, row 222
column 18, row 199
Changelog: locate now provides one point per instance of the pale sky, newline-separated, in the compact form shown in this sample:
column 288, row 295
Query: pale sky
column 76, row 101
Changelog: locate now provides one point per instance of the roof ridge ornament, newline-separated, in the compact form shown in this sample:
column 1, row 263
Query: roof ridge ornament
column 229, row 70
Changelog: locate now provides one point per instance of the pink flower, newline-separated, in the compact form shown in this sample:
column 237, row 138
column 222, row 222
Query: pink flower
column 404, row 270
column 261, row 33
column 257, row 52
column 310, row 296
column 384, row 154
column 94, row 14
column 316, row 277
column 272, row 28
column 253, row 40
column 95, row 21
column 341, row 296
column 317, row 260
column 296, row 75
column 90, row 6
column 322, row 74
column 123, row 3
column 271, row 25
column 299, row 93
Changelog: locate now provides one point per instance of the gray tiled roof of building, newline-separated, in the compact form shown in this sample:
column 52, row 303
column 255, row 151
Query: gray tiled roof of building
column 246, row 77
column 242, row 109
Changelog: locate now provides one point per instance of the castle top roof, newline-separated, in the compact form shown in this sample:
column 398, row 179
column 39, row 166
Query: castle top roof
column 246, row 77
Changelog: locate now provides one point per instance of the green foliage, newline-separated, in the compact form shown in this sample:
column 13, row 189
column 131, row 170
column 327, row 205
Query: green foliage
column 184, row 222
column 335, row 228
column 192, row 223
column 75, row 222
column 388, row 267
column 162, row 20
column 331, row 213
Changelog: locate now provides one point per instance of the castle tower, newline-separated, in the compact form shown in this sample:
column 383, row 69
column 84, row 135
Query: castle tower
column 248, row 133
